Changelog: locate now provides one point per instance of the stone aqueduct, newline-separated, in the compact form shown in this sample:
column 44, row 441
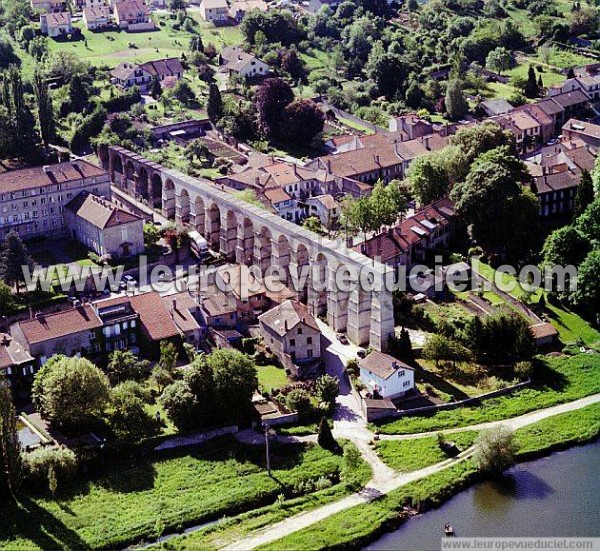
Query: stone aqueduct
column 249, row 235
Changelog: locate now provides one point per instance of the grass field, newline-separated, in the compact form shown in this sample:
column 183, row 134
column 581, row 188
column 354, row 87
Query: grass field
column 566, row 378
column 270, row 377
column 190, row 486
column 356, row 527
column 412, row 455
column 233, row 529
column 564, row 430
column 109, row 48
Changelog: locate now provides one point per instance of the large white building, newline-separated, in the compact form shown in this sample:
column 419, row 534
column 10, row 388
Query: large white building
column 33, row 200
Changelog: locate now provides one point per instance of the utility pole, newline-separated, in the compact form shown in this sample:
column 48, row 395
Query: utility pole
column 267, row 430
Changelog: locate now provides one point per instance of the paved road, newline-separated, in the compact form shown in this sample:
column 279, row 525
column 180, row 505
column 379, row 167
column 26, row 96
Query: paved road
column 386, row 481
column 348, row 414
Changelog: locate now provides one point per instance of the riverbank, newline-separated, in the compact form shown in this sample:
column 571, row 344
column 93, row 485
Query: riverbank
column 362, row 524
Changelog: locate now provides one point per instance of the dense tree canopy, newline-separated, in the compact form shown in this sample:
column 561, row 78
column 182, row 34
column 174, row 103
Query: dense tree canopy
column 271, row 99
column 70, row 392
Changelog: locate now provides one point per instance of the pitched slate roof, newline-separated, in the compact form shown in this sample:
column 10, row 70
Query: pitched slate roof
column 35, row 177
column 181, row 305
column 92, row 13
column 283, row 318
column 57, row 19
column 163, row 67
column 11, row 352
column 382, row 365
column 218, row 304
column 100, row 212
column 235, row 59
column 60, row 324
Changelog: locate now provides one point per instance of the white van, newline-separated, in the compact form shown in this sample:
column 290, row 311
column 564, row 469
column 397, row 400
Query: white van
column 198, row 245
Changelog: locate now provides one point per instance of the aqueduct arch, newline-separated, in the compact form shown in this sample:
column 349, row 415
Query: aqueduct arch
column 251, row 235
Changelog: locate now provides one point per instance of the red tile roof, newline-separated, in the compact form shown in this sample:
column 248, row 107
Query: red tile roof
column 53, row 326
column 30, row 178
column 154, row 316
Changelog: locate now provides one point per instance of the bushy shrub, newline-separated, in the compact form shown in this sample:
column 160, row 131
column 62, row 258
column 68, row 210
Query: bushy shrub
column 49, row 468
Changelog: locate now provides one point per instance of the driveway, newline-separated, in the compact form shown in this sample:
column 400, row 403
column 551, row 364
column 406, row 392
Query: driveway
column 347, row 415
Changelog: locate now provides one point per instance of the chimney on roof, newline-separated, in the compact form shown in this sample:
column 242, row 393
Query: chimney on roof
column 46, row 169
column 257, row 181
column 376, row 158
column 285, row 325
column 426, row 140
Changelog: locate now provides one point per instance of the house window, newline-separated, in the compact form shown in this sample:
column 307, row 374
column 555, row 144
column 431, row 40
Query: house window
column 299, row 330
column 401, row 373
column 308, row 340
column 292, row 342
column 309, row 353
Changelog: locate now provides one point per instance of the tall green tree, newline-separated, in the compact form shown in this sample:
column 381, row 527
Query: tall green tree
column 214, row 107
column 70, row 392
column 531, row 87
column 45, row 112
column 14, row 258
column 196, row 44
column 22, row 138
column 498, row 60
column 325, row 437
column 456, row 102
column 585, row 193
column 156, row 87
column 493, row 201
column 270, row 100
column 565, row 246
column 78, row 93
column 10, row 448
column 475, row 140
column 496, row 450
column 168, row 356
column 123, row 366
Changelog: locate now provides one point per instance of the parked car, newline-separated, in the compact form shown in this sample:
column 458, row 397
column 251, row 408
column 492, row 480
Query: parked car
column 342, row 338
column 128, row 282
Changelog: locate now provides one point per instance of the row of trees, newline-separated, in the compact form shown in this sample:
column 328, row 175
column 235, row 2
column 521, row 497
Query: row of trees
column 503, row 337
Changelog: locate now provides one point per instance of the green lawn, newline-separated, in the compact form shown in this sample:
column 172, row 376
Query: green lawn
column 572, row 327
column 561, row 431
column 187, row 487
column 566, row 378
column 270, row 377
column 412, row 455
column 236, row 528
column 112, row 47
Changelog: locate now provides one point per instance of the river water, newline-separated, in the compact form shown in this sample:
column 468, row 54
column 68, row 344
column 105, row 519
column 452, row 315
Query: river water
column 557, row 496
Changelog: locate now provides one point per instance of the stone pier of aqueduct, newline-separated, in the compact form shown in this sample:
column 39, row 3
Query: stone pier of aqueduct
column 250, row 235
